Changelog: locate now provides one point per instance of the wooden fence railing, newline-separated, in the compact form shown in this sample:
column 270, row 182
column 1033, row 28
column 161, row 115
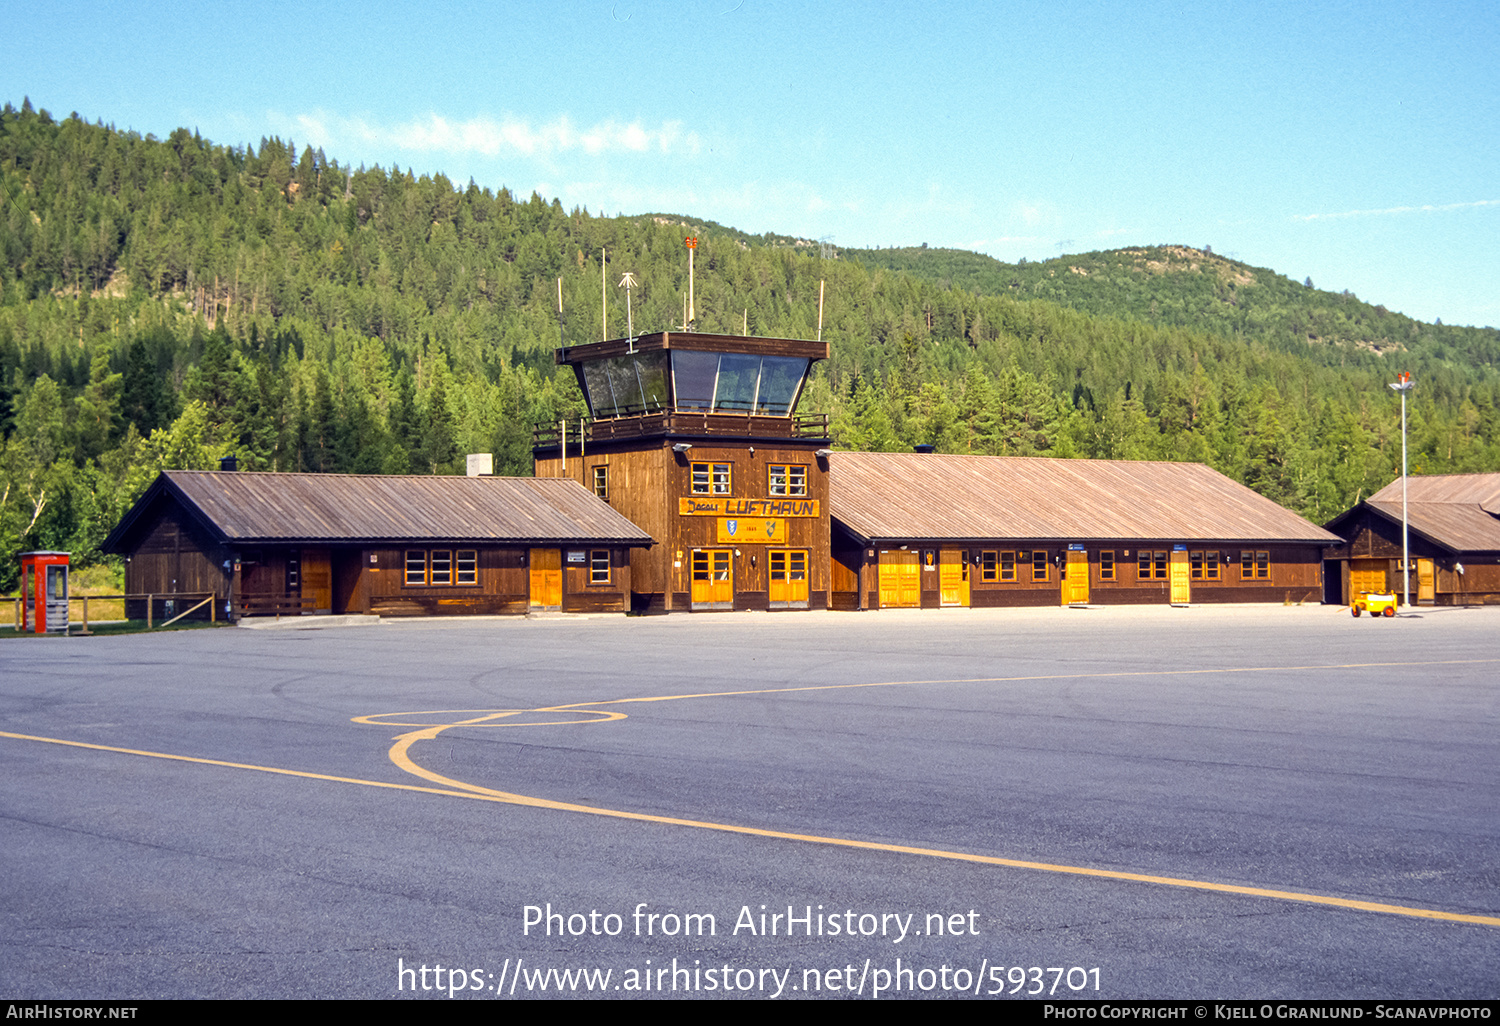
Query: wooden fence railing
column 167, row 601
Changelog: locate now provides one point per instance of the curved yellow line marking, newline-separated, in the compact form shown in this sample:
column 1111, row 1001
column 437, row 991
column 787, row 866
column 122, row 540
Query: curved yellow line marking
column 485, row 794
column 400, row 756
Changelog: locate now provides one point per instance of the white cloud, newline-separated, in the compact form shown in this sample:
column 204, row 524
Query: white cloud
column 517, row 136
column 1427, row 208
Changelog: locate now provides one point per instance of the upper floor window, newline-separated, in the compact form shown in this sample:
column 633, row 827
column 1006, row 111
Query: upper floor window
column 711, row 478
column 786, row 480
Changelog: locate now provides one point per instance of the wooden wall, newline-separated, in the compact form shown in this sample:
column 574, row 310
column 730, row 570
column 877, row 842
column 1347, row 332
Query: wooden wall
column 1374, row 537
column 646, row 480
column 1295, row 575
column 173, row 557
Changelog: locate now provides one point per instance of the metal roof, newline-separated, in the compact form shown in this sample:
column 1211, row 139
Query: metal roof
column 1482, row 490
column 243, row 506
column 921, row 496
column 1457, row 526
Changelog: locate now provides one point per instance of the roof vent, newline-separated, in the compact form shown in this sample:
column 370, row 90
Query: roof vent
column 481, row 464
column 229, row 463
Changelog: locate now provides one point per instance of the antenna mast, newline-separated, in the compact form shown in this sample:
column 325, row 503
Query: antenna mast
column 692, row 312
column 628, row 283
column 603, row 297
column 561, row 342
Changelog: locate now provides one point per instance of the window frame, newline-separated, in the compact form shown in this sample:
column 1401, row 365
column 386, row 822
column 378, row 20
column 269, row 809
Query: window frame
column 989, row 566
column 601, row 482
column 1041, row 567
column 600, row 571
column 466, row 568
column 793, row 483
column 420, row 565
column 1152, row 565
column 440, row 568
column 1107, row 564
column 711, row 483
column 1255, row 565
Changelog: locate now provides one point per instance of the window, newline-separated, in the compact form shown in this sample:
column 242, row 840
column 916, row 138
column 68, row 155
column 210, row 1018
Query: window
column 786, row 480
column 438, row 566
column 989, row 566
column 1039, row 566
column 416, row 566
column 711, row 478
column 1205, row 565
column 1151, row 565
column 467, row 568
column 1255, row 565
column 598, row 566
column 1107, row 565
column 1008, row 565
column 601, row 482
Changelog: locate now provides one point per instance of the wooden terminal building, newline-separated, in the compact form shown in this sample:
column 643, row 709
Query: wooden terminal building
column 922, row 530
column 696, row 439
column 1453, row 535
column 334, row 543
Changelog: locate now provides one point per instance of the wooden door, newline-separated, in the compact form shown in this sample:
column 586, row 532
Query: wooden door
column 900, row 580
column 713, row 579
column 788, row 579
column 1426, row 581
column 317, row 580
column 1075, row 585
column 1181, row 579
column 1367, row 576
column 953, row 574
column 546, row 578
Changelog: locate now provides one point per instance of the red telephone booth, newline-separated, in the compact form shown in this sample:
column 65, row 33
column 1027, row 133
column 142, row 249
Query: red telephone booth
column 44, row 591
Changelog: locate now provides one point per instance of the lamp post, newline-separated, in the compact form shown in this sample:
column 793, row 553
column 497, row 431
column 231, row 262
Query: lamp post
column 1403, row 385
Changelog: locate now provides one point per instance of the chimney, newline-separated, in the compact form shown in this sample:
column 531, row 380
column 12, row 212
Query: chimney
column 481, row 464
column 229, row 463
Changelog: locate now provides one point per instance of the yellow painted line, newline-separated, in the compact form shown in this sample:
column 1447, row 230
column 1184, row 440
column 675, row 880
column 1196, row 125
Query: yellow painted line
column 490, row 718
column 233, row 765
column 458, row 789
column 1020, row 679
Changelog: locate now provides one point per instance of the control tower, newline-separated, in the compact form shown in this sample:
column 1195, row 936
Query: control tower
column 697, row 440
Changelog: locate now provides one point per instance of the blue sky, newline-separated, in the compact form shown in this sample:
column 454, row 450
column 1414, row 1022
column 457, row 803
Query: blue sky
column 1356, row 144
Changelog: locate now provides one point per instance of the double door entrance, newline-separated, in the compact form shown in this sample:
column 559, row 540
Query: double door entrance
column 712, row 585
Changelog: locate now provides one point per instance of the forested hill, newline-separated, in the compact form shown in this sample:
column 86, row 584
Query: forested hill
column 1192, row 288
column 163, row 302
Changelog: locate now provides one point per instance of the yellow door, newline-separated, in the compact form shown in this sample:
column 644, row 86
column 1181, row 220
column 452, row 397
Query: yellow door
column 953, row 572
column 546, row 578
column 788, row 579
column 1181, row 579
column 900, row 580
column 1075, row 589
column 713, row 579
column 317, row 580
column 1366, row 576
column 1426, row 581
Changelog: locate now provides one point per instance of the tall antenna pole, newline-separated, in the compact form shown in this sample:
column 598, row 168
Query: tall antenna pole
column 603, row 298
column 561, row 342
column 692, row 312
column 1403, row 385
column 628, row 283
column 820, row 311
